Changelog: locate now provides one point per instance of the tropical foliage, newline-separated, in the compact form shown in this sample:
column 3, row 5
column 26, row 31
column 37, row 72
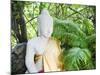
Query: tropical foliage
column 74, row 27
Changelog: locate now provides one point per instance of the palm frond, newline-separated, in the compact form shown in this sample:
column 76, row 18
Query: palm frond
column 69, row 26
column 69, row 32
column 77, row 59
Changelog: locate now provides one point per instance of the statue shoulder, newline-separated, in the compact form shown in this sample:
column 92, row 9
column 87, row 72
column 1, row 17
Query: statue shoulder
column 33, row 41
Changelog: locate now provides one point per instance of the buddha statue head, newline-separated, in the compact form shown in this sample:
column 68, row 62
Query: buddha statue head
column 45, row 24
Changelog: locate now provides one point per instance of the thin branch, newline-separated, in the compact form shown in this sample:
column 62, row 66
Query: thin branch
column 33, row 15
column 31, row 19
column 14, row 35
column 31, row 24
column 49, row 6
column 75, row 12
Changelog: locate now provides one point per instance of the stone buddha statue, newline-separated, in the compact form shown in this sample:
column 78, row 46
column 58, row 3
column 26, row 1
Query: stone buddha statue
column 42, row 54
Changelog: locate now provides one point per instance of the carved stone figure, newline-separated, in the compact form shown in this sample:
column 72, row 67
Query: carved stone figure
column 42, row 54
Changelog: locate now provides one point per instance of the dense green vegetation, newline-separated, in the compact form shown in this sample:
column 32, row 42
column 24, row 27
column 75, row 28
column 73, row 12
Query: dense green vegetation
column 74, row 27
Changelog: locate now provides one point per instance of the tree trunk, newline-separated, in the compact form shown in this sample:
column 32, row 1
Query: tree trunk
column 18, row 22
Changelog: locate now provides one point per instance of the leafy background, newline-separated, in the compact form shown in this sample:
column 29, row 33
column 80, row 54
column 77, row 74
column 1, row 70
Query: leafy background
column 74, row 27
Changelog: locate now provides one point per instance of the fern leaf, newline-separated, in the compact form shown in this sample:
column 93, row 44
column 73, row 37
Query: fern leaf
column 77, row 59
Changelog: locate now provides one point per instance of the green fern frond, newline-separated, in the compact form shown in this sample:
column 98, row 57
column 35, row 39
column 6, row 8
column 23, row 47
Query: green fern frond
column 77, row 59
column 91, row 38
column 88, row 27
column 71, row 39
column 69, row 26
